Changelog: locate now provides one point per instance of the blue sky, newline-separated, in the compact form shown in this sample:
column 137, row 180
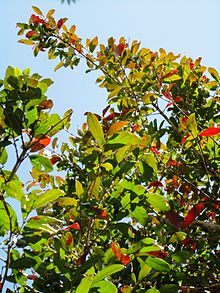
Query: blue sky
column 189, row 27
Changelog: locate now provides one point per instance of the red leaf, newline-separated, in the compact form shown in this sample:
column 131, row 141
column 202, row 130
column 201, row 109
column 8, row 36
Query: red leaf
column 60, row 23
column 125, row 259
column 154, row 150
column 75, row 226
column 174, row 219
column 192, row 214
column 119, row 49
column 69, row 240
column 171, row 73
column 210, row 131
column 158, row 253
column 155, row 183
column 32, row 277
column 167, row 95
column 40, row 143
column 116, row 250
column 36, row 19
column 178, row 99
column 30, row 34
column 54, row 160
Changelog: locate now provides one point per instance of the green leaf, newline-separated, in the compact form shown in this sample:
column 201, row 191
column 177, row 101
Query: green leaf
column 105, row 287
column 85, row 284
column 214, row 73
column 31, row 116
column 191, row 124
column 3, row 155
column 23, row 263
column 145, row 270
column 108, row 271
column 47, row 197
column 125, row 137
column 158, row 264
column 152, row 290
column 140, row 215
column 95, row 128
column 37, row 10
column 169, row 288
column 158, row 202
column 67, row 201
column 150, row 161
column 79, row 188
column 14, row 189
column 4, row 218
column 41, row 163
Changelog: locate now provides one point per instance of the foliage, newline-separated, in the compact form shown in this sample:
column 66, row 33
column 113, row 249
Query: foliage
column 138, row 208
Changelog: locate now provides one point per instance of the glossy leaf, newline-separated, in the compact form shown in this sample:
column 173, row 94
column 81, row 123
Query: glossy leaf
column 107, row 271
column 211, row 131
column 47, row 197
column 158, row 264
column 95, row 128
column 41, row 163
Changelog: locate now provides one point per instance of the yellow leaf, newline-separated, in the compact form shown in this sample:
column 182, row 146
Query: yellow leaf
column 59, row 65
column 37, row 10
column 148, row 98
column 50, row 13
column 26, row 42
column 114, row 92
column 72, row 29
column 116, row 127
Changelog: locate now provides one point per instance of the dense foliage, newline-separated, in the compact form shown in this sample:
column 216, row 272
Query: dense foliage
column 136, row 206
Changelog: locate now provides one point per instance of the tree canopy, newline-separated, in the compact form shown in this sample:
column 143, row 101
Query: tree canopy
column 131, row 202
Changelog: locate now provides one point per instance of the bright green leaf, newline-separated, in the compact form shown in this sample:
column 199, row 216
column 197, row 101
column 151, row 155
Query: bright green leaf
column 95, row 128
column 158, row 264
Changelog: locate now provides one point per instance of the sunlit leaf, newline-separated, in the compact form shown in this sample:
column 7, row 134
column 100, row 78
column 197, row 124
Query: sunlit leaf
column 158, row 202
column 95, row 128
column 108, row 271
column 211, row 131
column 158, row 264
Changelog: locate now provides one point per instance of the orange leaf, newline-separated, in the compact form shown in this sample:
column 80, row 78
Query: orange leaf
column 47, row 104
column 40, row 143
column 210, row 131
column 116, row 127
column 116, row 250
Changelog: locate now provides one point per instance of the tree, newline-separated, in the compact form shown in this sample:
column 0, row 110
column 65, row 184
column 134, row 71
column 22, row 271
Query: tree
column 138, row 207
